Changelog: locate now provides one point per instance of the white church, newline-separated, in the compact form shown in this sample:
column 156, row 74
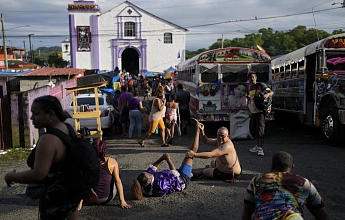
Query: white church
column 126, row 37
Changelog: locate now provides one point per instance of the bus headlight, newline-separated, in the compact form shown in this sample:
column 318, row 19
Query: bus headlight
column 342, row 101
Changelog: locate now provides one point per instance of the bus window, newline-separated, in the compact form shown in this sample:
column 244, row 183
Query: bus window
column 334, row 61
column 211, row 77
column 193, row 75
column 234, row 77
column 263, row 77
column 294, row 70
column 301, row 68
column 282, row 73
column 262, row 71
column 276, row 75
column 288, row 71
column 209, row 73
column 234, row 73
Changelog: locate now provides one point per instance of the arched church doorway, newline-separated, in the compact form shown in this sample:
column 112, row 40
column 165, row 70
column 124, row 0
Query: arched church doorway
column 130, row 61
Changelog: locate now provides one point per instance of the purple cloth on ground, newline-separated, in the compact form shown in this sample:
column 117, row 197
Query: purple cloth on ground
column 164, row 182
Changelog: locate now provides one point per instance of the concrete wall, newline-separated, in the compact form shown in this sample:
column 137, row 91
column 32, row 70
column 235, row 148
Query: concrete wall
column 30, row 132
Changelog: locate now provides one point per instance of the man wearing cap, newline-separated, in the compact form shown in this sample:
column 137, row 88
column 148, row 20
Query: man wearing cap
column 257, row 116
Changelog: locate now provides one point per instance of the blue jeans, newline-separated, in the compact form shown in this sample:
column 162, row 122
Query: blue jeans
column 135, row 119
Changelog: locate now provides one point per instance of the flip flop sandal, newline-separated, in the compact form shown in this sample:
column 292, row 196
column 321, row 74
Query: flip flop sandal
column 141, row 144
column 165, row 145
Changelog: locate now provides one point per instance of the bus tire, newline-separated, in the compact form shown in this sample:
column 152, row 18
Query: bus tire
column 332, row 127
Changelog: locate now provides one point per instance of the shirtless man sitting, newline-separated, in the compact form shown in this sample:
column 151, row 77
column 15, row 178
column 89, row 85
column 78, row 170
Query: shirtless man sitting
column 225, row 164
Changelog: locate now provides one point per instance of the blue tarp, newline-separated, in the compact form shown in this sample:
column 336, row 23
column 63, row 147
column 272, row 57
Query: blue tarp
column 13, row 73
column 116, row 79
column 108, row 90
column 149, row 74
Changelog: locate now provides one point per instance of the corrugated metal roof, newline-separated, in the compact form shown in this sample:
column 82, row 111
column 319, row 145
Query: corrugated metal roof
column 48, row 71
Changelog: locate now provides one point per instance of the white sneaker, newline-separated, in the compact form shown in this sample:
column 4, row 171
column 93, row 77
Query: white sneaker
column 260, row 151
column 254, row 149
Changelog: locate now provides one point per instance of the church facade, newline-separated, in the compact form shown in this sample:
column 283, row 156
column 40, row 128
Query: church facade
column 126, row 37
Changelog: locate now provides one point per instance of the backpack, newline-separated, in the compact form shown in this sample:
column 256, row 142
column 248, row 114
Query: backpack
column 260, row 102
column 82, row 168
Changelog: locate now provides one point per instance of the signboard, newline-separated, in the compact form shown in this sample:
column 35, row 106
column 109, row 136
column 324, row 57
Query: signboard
column 83, row 36
column 85, row 7
column 234, row 55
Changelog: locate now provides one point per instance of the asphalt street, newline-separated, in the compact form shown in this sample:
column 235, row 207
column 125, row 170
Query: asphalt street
column 204, row 198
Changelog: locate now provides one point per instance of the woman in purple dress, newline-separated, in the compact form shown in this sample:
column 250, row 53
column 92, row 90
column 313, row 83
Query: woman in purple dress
column 160, row 183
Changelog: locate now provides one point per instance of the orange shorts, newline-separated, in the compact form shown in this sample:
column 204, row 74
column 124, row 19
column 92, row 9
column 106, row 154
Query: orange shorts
column 153, row 125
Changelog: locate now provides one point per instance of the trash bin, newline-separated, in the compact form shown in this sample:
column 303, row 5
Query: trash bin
column 240, row 125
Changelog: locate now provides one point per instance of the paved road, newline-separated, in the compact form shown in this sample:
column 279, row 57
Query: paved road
column 205, row 199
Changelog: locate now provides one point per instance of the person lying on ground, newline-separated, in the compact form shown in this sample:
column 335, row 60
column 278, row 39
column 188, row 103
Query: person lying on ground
column 225, row 164
column 160, row 183
column 281, row 194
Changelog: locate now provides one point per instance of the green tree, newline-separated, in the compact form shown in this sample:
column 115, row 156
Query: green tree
column 340, row 31
column 190, row 54
column 55, row 60
column 299, row 34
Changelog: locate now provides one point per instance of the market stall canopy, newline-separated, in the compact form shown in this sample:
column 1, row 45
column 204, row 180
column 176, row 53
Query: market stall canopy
column 169, row 69
column 169, row 73
column 149, row 74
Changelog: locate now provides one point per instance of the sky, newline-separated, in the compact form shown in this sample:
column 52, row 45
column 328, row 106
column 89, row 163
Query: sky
column 206, row 20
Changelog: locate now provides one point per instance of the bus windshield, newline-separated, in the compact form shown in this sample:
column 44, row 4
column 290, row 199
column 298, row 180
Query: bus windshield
column 335, row 61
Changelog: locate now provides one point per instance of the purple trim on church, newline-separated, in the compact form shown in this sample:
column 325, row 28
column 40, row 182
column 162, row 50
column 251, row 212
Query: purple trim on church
column 95, row 41
column 142, row 51
column 72, row 40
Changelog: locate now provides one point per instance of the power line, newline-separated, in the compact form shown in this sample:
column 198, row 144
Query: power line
column 178, row 6
column 210, row 24
column 263, row 18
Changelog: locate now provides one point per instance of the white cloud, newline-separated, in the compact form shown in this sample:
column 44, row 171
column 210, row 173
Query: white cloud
column 48, row 20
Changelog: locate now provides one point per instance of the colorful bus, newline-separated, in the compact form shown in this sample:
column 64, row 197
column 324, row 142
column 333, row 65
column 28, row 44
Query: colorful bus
column 217, row 80
column 310, row 83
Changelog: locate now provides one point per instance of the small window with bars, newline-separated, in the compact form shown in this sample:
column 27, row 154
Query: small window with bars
column 129, row 29
column 168, row 38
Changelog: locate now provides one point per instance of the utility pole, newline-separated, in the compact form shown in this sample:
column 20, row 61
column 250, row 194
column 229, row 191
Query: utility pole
column 4, row 40
column 317, row 32
column 31, row 54
column 26, row 53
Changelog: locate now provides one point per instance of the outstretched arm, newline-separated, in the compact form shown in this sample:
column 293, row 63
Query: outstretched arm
column 159, row 161
column 204, row 138
column 209, row 141
column 169, row 161
column 215, row 153
column 118, row 183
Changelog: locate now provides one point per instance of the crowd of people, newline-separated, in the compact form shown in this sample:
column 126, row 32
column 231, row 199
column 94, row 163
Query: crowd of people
column 168, row 108
column 277, row 194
